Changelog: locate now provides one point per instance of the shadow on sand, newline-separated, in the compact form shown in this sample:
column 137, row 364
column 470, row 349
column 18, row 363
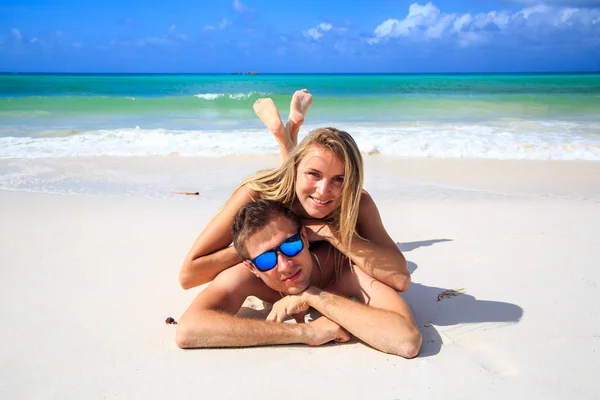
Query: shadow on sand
column 426, row 308
column 461, row 309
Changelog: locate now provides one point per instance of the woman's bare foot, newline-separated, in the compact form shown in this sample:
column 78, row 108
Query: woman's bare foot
column 301, row 102
column 267, row 112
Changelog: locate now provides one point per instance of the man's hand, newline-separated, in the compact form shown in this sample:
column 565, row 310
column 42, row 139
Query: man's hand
column 323, row 330
column 317, row 230
column 292, row 305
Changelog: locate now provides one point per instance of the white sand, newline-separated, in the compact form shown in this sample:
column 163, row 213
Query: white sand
column 87, row 283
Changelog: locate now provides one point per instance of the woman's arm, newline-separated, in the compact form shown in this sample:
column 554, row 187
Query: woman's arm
column 374, row 251
column 212, row 253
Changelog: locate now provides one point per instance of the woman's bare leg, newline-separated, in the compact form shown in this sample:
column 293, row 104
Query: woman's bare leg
column 286, row 136
column 299, row 106
column 268, row 114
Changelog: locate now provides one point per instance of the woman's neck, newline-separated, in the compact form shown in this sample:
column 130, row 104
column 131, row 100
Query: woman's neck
column 299, row 210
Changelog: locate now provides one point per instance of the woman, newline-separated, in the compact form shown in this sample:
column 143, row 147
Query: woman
column 321, row 179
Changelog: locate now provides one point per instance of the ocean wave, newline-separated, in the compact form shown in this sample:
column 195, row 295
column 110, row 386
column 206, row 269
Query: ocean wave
column 509, row 139
column 209, row 96
column 232, row 96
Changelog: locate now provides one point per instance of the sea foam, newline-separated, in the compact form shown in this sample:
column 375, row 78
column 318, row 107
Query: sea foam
column 506, row 139
column 232, row 96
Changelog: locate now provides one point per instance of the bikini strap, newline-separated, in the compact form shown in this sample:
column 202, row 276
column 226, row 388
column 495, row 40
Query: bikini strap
column 320, row 270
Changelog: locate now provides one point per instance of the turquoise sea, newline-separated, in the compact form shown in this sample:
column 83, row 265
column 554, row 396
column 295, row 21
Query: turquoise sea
column 541, row 116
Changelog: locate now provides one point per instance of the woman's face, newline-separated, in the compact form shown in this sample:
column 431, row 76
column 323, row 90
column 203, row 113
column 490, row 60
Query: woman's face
column 319, row 182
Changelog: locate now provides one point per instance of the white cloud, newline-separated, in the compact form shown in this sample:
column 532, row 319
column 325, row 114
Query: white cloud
column 34, row 40
column 491, row 20
column 239, row 7
column 77, row 45
column 427, row 22
column 325, row 27
column 527, row 12
column 461, row 21
column 313, row 33
column 317, row 32
column 172, row 28
column 224, row 23
column 16, row 34
column 419, row 17
column 442, row 24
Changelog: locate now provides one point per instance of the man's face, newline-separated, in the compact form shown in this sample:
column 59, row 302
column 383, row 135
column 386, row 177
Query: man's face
column 291, row 275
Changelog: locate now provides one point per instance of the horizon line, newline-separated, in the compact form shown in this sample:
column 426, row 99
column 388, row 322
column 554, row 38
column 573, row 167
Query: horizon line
column 306, row 73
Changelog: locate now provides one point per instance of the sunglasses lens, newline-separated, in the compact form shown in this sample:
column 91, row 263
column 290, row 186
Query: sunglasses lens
column 292, row 246
column 265, row 261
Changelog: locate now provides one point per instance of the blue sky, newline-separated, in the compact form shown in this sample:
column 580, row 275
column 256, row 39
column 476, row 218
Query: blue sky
column 299, row 36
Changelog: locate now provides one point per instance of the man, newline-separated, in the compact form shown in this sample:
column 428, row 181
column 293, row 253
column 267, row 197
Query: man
column 279, row 268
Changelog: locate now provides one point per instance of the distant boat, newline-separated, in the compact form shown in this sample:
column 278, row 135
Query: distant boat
column 252, row 73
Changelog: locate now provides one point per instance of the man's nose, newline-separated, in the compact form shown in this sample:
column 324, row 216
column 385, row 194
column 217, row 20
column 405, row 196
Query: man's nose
column 284, row 262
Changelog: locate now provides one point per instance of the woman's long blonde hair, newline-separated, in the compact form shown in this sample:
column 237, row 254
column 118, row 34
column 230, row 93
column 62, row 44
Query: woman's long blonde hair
column 280, row 184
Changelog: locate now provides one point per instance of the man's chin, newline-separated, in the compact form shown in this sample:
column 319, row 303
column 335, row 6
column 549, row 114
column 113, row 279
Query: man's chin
column 297, row 289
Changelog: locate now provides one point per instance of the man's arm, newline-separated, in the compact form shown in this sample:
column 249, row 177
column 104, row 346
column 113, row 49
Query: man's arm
column 383, row 320
column 210, row 320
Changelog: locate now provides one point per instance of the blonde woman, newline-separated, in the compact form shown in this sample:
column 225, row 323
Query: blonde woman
column 321, row 179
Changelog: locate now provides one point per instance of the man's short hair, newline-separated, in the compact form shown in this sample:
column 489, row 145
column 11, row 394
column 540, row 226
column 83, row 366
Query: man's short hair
column 254, row 216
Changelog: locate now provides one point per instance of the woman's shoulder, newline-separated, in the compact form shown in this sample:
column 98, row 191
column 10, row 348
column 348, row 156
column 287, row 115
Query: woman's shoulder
column 367, row 209
column 240, row 196
column 365, row 200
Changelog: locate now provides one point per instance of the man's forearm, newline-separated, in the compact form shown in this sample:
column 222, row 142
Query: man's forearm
column 385, row 330
column 196, row 272
column 216, row 329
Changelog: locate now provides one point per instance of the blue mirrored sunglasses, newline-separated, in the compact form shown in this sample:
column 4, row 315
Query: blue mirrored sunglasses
column 289, row 248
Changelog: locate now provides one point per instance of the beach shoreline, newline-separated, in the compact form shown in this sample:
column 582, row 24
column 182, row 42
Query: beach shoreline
column 215, row 178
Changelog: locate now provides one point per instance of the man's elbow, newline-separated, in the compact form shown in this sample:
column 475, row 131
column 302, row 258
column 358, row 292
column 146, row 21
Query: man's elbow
column 187, row 337
column 182, row 337
column 409, row 346
column 410, row 350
